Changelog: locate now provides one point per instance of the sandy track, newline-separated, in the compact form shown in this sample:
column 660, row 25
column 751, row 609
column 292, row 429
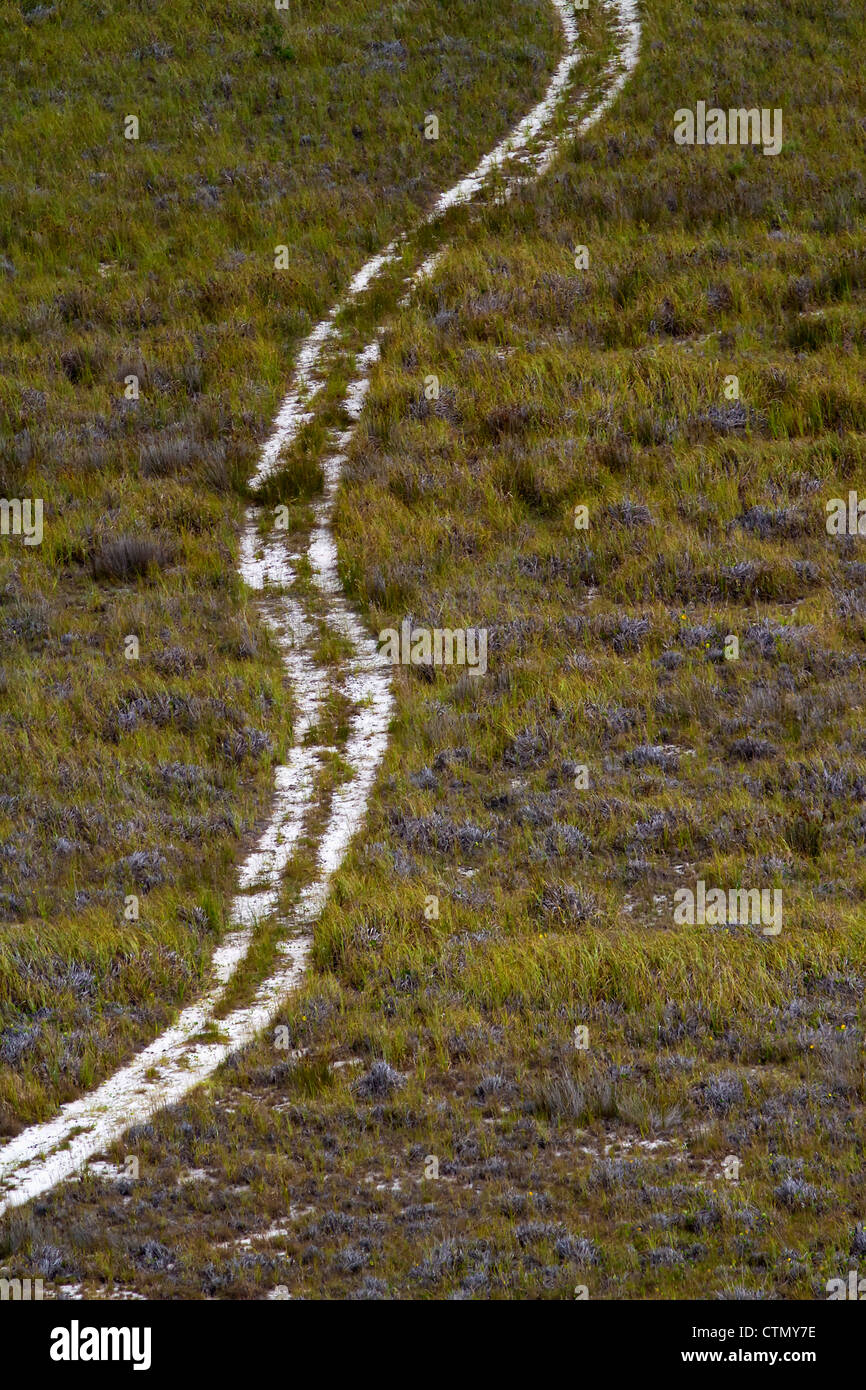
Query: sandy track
column 179, row 1059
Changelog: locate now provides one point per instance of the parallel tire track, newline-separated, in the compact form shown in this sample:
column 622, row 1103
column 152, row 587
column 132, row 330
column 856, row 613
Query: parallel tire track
column 179, row 1059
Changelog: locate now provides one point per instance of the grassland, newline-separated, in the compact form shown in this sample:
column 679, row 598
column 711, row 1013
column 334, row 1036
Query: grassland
column 148, row 266
column 434, row 1131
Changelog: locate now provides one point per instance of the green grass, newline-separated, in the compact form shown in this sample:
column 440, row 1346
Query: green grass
column 155, row 259
column 560, row 1166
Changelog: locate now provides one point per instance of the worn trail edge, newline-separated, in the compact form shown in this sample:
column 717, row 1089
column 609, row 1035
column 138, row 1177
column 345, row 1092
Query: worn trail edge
column 179, row 1059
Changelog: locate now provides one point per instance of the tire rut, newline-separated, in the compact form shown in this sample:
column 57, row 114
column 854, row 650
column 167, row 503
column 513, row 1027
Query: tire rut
column 180, row 1058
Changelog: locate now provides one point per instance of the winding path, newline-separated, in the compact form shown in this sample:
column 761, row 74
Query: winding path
column 180, row 1058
